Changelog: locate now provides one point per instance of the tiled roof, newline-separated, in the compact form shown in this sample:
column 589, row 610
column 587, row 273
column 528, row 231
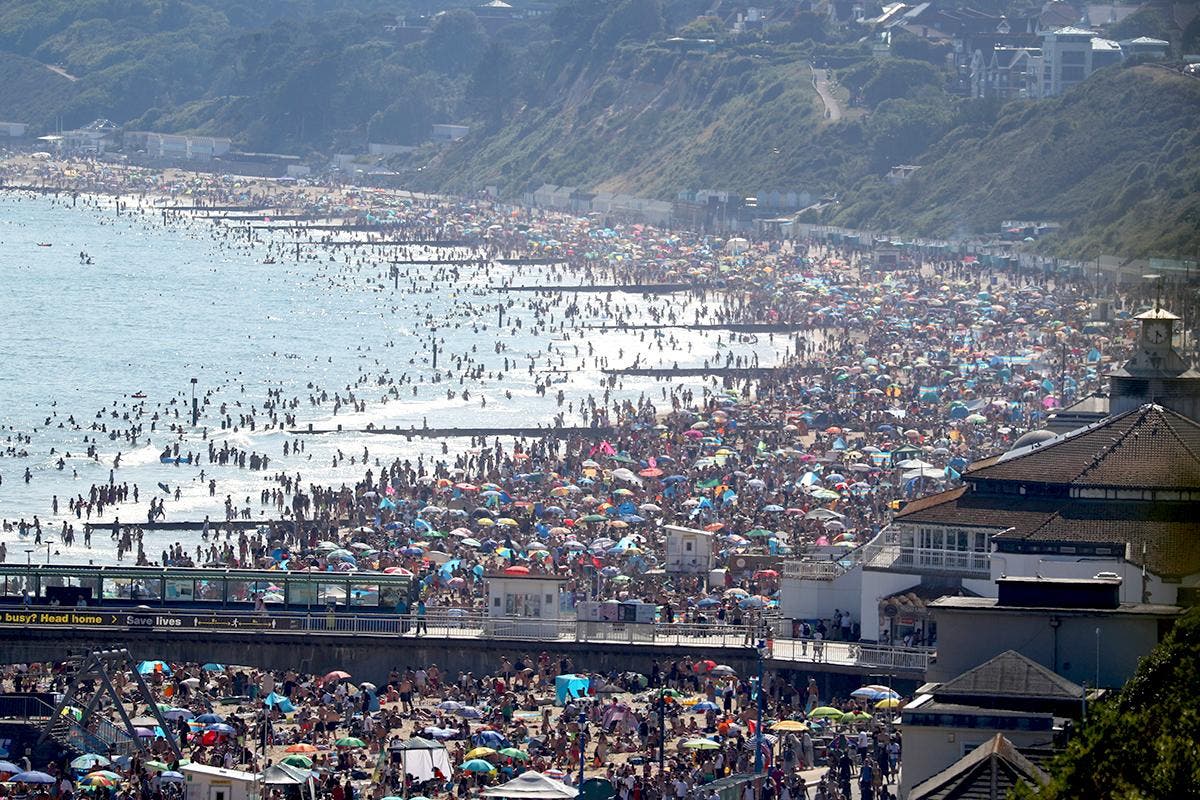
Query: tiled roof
column 989, row 772
column 1148, row 447
column 1009, row 674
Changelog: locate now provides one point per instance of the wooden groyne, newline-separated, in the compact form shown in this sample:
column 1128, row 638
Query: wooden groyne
column 597, row 288
column 462, row 433
column 736, row 327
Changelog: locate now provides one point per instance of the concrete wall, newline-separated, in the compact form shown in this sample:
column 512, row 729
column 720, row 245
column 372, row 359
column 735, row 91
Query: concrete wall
column 967, row 638
column 365, row 657
column 1050, row 566
column 813, row 599
column 928, row 751
column 877, row 585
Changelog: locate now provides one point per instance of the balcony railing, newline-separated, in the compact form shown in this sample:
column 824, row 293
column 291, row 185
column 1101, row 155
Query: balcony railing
column 924, row 559
column 823, row 570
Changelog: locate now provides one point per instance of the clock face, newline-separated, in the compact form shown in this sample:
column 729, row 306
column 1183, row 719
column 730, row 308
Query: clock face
column 1156, row 334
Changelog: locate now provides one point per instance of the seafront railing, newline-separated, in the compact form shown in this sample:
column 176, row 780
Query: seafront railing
column 454, row 623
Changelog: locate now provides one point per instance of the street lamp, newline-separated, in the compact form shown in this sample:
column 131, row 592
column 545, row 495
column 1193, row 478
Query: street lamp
column 662, row 730
column 761, row 647
column 582, row 744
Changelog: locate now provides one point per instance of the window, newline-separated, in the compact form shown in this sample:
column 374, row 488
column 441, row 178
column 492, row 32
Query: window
column 302, row 593
column 364, row 595
column 180, row 590
column 519, row 604
column 332, row 593
column 687, row 546
column 209, row 591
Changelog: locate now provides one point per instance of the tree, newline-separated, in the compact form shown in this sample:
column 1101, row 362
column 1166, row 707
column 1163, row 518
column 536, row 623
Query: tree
column 630, row 20
column 456, row 42
column 495, row 82
column 1143, row 744
column 899, row 77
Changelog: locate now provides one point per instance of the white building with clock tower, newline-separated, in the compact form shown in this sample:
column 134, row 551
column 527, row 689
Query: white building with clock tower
column 1156, row 373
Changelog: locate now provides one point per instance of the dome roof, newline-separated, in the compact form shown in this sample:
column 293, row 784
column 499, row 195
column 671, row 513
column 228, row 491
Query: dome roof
column 1033, row 437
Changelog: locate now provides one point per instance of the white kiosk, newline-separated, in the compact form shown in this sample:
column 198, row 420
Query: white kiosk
column 523, row 604
column 202, row 782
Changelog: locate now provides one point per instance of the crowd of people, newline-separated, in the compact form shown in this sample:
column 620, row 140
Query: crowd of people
column 670, row 733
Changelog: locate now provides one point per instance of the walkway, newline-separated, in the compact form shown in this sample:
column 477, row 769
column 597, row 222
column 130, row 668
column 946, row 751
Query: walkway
column 722, row 641
column 833, row 111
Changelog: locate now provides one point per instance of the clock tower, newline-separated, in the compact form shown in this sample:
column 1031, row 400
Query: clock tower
column 1156, row 373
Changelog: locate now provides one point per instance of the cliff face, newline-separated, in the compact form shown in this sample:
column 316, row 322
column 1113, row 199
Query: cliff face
column 650, row 121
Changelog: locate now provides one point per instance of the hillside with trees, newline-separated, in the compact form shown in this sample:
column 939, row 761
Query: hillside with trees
column 647, row 97
column 1116, row 161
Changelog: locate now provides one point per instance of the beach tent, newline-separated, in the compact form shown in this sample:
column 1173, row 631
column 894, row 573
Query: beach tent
column 288, row 775
column 284, row 704
column 570, row 686
column 422, row 757
column 532, row 786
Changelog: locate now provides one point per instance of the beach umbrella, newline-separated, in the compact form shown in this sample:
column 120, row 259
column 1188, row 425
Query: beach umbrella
column 480, row 752
column 789, row 725
column 825, row 712
column 89, row 761
column 350, row 741
column 171, row 776
column 701, row 744
column 32, row 776
column 301, row 747
column 888, row 702
column 476, row 765
column 335, row 676
column 514, row 753
column 298, row 760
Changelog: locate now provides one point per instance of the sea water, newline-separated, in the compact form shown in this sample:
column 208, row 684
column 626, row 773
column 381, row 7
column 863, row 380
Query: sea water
column 160, row 304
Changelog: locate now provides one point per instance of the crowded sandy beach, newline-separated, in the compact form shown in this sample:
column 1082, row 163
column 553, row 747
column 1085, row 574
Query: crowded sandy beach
column 786, row 396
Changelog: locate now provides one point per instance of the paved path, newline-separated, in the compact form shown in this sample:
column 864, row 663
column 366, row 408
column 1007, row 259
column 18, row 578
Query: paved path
column 833, row 111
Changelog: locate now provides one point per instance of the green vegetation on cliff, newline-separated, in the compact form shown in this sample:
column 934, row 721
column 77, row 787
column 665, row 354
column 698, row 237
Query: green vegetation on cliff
column 1116, row 161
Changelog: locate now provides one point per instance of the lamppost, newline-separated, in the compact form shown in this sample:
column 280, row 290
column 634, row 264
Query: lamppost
column 761, row 647
column 662, row 730
column 582, row 744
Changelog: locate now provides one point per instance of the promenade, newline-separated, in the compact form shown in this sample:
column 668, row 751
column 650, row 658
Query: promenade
column 464, row 638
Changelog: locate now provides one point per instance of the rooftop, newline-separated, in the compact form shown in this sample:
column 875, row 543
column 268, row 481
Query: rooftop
column 1150, row 447
column 989, row 772
column 993, row 604
column 1008, row 675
